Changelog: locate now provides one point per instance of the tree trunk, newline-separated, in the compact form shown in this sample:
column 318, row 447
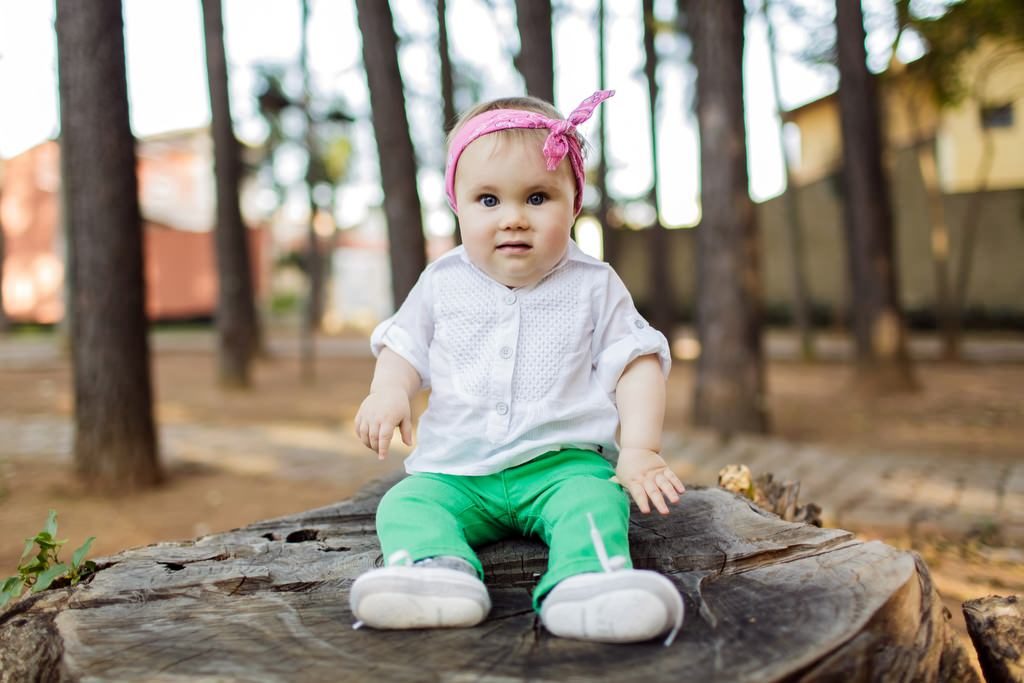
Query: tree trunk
column 535, row 59
column 969, row 228
column 880, row 338
column 661, row 303
column 447, row 78
column 115, row 442
column 394, row 146
column 794, row 222
column 610, row 236
column 237, row 322
column 766, row 601
column 313, row 308
column 729, row 393
column 939, row 242
column 447, row 84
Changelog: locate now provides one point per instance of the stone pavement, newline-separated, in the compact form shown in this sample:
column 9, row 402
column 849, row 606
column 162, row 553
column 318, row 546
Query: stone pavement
column 919, row 494
column 902, row 493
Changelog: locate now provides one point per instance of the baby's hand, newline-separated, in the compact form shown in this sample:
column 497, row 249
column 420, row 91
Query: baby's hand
column 648, row 479
column 380, row 413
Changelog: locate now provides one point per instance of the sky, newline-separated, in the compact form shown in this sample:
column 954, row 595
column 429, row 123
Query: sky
column 168, row 91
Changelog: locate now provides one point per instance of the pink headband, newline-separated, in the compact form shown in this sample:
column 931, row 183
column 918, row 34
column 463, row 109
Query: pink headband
column 561, row 141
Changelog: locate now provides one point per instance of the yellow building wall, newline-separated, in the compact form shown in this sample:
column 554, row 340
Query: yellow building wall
column 994, row 76
column 820, row 140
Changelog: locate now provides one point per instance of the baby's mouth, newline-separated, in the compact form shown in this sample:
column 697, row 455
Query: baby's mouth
column 514, row 247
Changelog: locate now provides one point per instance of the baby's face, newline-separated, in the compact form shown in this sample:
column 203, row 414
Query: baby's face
column 515, row 215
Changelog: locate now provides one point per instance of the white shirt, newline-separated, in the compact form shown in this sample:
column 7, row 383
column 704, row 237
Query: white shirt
column 515, row 373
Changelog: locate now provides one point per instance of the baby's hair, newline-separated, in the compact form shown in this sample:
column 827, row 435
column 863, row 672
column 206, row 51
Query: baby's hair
column 523, row 103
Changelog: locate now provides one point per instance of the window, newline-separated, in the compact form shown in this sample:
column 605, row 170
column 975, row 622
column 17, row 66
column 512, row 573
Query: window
column 998, row 116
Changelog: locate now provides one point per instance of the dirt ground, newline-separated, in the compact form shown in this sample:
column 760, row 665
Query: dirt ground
column 961, row 409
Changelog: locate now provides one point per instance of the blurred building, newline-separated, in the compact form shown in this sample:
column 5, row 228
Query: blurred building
column 976, row 166
column 990, row 113
column 979, row 170
column 178, row 205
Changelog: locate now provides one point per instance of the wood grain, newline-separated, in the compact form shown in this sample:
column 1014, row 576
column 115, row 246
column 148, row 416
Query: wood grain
column 766, row 600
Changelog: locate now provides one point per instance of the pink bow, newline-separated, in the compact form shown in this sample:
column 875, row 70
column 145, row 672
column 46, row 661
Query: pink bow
column 562, row 141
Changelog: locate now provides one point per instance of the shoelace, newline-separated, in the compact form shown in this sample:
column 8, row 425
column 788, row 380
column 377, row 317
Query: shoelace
column 617, row 562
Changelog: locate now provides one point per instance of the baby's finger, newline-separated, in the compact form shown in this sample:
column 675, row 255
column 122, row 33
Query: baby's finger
column 372, row 435
column 387, row 432
column 676, row 482
column 363, row 432
column 654, row 493
column 406, row 429
column 666, row 486
column 640, row 496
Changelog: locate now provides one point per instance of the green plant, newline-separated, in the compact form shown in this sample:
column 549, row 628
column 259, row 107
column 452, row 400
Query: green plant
column 40, row 570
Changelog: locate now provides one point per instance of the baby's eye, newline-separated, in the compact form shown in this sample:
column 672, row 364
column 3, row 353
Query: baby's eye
column 488, row 200
column 536, row 199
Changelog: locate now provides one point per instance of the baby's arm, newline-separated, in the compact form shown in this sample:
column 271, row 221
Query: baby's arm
column 640, row 396
column 395, row 382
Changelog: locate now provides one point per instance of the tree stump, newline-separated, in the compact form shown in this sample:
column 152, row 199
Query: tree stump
column 766, row 600
column 996, row 625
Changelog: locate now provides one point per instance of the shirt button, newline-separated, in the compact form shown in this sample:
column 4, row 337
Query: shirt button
column 510, row 298
column 639, row 324
column 502, row 408
column 506, row 352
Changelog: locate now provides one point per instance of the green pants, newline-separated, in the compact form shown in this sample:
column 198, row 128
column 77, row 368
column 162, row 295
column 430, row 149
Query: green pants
column 549, row 497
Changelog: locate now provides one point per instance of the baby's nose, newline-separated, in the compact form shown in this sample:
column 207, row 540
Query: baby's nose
column 513, row 219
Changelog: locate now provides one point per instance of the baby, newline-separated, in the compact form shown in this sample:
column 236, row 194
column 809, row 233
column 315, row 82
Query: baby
column 534, row 355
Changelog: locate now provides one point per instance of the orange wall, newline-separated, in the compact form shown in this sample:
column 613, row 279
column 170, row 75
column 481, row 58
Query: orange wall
column 180, row 265
column 33, row 272
column 181, row 271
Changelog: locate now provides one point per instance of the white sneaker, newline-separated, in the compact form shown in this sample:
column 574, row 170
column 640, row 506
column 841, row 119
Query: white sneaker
column 624, row 606
column 419, row 597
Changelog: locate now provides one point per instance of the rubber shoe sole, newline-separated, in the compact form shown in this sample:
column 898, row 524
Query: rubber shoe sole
column 626, row 606
column 419, row 597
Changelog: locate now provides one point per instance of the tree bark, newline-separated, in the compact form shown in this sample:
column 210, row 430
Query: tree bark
column 447, row 77
column 969, row 230
column 661, row 303
column 729, row 394
column 996, row 627
column 610, row 236
column 536, row 59
column 394, row 146
column 794, row 221
column 115, row 445
column 766, row 601
column 313, row 309
column 880, row 338
column 237, row 323
column 448, row 112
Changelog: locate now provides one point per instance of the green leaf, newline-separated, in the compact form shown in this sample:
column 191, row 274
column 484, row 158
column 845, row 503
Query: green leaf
column 47, row 577
column 37, row 565
column 11, row 589
column 76, row 559
column 45, row 541
column 51, row 524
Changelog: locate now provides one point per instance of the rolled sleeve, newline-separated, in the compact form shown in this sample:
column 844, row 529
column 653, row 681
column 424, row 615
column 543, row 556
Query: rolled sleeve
column 409, row 331
column 621, row 335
